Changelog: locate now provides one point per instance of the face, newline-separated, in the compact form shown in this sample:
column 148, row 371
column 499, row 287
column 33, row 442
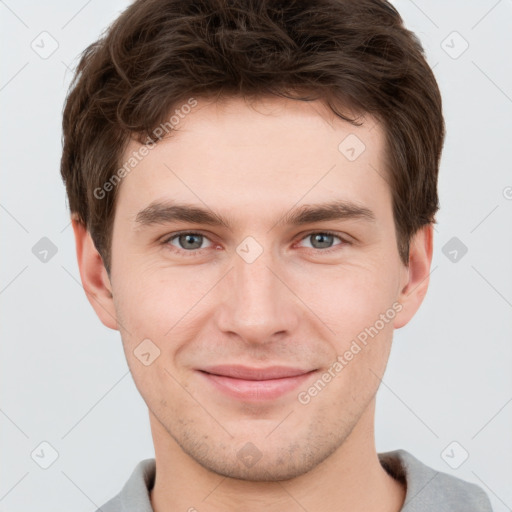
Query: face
column 256, row 331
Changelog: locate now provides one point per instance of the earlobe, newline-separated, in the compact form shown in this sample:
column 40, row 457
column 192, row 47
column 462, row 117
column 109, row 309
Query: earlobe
column 94, row 276
column 415, row 286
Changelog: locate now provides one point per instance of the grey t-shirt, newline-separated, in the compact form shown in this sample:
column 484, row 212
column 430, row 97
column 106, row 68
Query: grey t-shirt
column 428, row 490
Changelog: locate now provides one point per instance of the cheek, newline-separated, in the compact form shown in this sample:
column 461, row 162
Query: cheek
column 350, row 299
column 361, row 355
column 155, row 301
column 164, row 303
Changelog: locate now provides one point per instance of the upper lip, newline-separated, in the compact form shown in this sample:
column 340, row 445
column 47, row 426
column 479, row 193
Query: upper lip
column 251, row 373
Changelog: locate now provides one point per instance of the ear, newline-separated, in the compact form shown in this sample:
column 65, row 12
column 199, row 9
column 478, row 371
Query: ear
column 416, row 275
column 94, row 276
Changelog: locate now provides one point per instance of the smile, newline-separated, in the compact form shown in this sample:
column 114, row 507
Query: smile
column 255, row 384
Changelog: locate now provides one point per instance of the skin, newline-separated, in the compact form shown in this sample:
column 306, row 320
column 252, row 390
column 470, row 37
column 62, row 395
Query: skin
column 295, row 305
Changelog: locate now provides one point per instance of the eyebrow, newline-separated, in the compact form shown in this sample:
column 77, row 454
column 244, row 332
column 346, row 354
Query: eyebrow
column 163, row 212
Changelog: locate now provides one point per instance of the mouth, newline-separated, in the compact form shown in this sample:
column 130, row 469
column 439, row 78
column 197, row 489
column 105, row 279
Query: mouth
column 255, row 384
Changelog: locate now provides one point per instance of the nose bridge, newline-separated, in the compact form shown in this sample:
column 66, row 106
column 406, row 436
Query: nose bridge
column 257, row 305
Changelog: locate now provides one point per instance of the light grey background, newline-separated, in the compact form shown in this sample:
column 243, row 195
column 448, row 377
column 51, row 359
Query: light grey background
column 64, row 377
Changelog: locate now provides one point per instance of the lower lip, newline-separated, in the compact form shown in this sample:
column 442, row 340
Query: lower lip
column 255, row 390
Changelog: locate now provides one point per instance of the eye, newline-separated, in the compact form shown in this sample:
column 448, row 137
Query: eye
column 189, row 243
column 323, row 240
column 186, row 242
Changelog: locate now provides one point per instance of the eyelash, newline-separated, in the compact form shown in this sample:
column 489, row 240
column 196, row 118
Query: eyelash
column 196, row 252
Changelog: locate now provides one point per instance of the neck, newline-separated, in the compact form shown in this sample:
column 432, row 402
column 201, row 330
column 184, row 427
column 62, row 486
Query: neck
column 350, row 479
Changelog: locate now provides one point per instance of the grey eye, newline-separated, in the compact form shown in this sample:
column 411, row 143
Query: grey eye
column 191, row 241
column 321, row 240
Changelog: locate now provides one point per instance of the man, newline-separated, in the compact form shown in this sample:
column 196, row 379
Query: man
column 253, row 187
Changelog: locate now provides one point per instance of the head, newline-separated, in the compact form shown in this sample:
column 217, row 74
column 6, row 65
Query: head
column 255, row 183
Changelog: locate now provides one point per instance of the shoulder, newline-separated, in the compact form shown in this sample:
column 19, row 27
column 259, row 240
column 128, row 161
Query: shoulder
column 134, row 496
column 112, row 505
column 429, row 489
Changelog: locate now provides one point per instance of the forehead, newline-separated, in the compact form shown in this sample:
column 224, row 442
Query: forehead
column 235, row 153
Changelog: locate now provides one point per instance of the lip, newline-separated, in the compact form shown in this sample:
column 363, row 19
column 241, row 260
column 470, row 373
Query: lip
column 255, row 384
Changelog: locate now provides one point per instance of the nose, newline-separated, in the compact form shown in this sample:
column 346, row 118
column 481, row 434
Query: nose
column 257, row 305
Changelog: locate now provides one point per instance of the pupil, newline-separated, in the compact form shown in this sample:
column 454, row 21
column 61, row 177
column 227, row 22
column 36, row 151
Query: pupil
column 190, row 239
column 324, row 236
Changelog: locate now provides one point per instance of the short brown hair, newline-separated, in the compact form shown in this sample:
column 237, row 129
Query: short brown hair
column 354, row 54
